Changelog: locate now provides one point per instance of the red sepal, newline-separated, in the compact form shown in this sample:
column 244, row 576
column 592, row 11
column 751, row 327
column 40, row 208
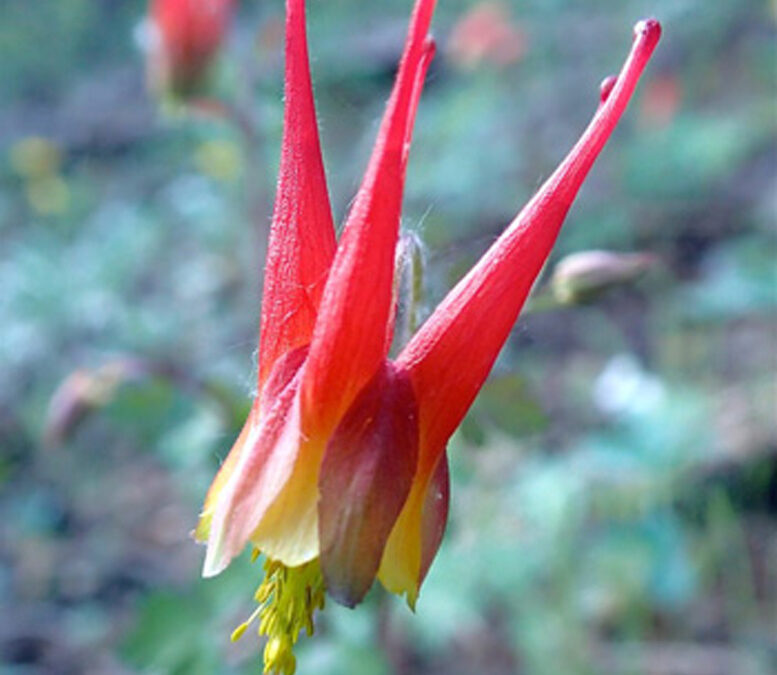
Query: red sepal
column 451, row 355
column 351, row 333
column 302, row 235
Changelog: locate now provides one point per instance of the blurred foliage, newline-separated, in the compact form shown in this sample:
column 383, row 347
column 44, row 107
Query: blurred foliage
column 614, row 487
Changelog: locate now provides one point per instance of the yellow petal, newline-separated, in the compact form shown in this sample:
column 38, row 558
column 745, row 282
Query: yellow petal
column 288, row 531
column 418, row 531
column 401, row 562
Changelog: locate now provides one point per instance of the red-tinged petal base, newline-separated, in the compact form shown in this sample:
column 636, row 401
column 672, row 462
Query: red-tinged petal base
column 417, row 534
column 258, row 468
column 365, row 478
column 202, row 532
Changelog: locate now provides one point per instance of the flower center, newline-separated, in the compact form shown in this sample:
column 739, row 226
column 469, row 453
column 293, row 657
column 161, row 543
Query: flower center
column 287, row 597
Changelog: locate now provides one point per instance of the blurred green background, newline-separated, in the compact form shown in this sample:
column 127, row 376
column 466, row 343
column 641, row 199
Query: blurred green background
column 615, row 486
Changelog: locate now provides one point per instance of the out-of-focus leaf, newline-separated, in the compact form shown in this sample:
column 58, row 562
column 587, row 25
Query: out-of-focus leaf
column 738, row 278
column 507, row 403
column 179, row 632
column 687, row 157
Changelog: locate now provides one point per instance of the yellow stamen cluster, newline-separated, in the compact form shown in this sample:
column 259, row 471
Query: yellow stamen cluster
column 287, row 597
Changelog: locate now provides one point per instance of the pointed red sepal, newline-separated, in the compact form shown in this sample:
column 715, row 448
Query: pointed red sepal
column 365, row 478
column 350, row 336
column 302, row 236
column 264, row 457
column 451, row 355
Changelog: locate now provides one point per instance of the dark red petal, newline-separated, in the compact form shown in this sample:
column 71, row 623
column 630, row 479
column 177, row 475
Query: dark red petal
column 451, row 355
column 351, row 333
column 302, row 239
column 365, row 477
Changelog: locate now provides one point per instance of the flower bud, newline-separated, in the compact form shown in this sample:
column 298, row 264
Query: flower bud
column 186, row 36
column 580, row 277
column 486, row 34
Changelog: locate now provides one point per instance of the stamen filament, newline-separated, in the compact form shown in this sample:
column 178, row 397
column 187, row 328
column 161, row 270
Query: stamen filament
column 288, row 597
column 243, row 627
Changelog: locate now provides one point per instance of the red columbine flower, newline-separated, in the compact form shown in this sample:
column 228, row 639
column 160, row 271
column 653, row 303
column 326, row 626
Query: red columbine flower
column 188, row 34
column 340, row 474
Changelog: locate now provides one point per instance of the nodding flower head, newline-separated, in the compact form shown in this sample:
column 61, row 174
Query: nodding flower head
column 340, row 474
column 187, row 35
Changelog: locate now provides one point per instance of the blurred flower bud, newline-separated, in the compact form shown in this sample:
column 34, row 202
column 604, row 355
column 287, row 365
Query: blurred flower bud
column 185, row 38
column 661, row 100
column 82, row 393
column 485, row 33
column 582, row 276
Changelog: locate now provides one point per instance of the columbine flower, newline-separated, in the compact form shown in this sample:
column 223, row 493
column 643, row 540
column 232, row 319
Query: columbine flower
column 186, row 37
column 340, row 475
